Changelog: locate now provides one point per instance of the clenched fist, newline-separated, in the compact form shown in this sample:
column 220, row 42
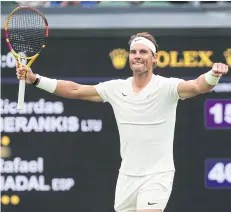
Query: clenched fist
column 24, row 73
column 219, row 69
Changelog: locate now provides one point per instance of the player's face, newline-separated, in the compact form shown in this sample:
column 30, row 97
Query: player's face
column 141, row 59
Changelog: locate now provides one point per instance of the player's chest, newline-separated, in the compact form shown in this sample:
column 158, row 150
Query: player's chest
column 148, row 108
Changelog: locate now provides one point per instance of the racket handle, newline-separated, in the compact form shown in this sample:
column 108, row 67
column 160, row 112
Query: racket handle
column 21, row 94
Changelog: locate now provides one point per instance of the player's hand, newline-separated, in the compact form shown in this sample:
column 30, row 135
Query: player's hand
column 24, row 73
column 219, row 69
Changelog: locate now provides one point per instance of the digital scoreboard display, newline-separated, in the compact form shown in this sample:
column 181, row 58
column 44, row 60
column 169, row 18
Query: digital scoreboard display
column 218, row 173
column 218, row 113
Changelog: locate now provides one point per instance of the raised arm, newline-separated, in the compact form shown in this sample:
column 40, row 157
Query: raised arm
column 204, row 83
column 66, row 89
column 74, row 90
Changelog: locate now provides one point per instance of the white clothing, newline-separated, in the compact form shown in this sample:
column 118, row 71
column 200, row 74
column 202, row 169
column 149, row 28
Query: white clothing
column 146, row 123
column 135, row 193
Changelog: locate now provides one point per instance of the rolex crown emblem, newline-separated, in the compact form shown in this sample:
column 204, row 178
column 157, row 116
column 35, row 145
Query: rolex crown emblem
column 227, row 55
column 119, row 58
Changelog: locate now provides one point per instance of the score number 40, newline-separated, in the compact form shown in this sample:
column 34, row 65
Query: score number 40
column 218, row 173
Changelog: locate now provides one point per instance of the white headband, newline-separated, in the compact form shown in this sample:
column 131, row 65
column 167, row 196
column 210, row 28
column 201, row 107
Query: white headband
column 145, row 42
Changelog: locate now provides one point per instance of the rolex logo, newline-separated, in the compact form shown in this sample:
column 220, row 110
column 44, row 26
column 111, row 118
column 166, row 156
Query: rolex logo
column 119, row 58
column 227, row 55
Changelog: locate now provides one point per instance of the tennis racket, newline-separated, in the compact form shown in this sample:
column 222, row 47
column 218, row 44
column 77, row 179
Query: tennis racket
column 26, row 31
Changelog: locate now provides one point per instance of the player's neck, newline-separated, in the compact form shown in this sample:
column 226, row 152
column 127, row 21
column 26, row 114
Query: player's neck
column 140, row 81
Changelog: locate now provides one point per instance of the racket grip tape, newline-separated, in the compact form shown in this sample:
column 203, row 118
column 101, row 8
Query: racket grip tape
column 21, row 94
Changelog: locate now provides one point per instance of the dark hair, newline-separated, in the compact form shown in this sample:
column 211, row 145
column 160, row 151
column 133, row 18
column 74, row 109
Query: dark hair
column 145, row 35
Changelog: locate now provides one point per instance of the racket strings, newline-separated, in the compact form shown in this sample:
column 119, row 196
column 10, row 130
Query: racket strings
column 27, row 31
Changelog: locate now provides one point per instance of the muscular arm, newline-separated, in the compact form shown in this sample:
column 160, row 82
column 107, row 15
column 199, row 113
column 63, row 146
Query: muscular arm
column 66, row 89
column 187, row 89
column 191, row 88
column 74, row 90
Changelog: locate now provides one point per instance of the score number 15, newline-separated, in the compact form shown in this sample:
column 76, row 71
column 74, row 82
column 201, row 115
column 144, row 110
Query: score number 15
column 218, row 113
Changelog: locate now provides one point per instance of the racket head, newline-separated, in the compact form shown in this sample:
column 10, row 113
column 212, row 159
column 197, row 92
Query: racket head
column 26, row 31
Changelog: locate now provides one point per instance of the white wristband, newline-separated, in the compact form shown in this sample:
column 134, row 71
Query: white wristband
column 47, row 84
column 210, row 79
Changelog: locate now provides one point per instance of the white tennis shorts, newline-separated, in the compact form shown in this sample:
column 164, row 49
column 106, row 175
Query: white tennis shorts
column 143, row 192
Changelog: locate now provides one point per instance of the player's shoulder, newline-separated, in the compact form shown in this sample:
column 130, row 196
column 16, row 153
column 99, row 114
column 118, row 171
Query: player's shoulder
column 113, row 83
column 119, row 81
column 161, row 79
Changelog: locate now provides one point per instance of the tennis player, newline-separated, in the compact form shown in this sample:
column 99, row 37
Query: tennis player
column 145, row 110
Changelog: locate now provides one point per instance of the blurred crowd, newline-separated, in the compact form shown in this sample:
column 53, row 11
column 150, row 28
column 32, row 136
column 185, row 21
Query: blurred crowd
column 107, row 3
